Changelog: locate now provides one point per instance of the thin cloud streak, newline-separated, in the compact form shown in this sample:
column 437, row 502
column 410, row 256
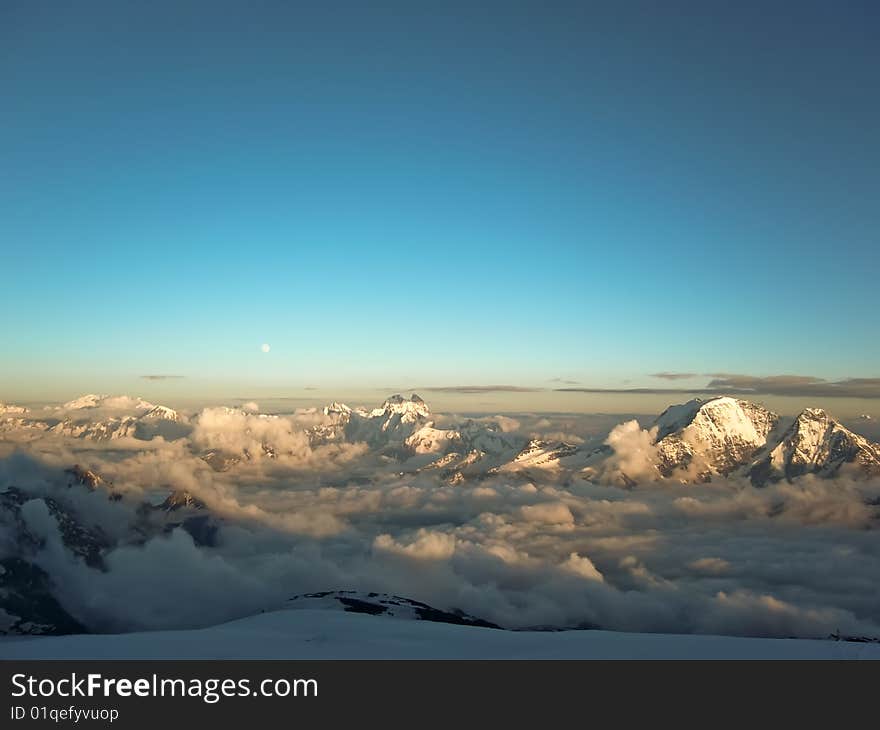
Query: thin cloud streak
column 471, row 389
column 749, row 385
column 674, row 376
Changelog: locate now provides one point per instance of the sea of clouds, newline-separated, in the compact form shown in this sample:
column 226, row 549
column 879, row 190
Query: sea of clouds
column 799, row 559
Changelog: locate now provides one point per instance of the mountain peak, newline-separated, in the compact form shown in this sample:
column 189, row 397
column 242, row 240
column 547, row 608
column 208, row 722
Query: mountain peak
column 713, row 436
column 116, row 402
column 337, row 408
column 816, row 443
column 161, row 413
column 408, row 408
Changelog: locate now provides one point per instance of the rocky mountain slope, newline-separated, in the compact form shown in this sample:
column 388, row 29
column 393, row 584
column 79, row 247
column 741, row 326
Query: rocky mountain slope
column 816, row 444
column 705, row 439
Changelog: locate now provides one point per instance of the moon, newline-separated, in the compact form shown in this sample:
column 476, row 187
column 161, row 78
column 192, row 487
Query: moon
column 265, row 348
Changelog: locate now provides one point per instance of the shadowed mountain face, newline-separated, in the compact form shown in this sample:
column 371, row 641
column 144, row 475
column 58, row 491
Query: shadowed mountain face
column 27, row 601
column 32, row 524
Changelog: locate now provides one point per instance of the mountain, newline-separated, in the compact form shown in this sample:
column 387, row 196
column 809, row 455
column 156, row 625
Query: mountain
column 389, row 425
column 538, row 453
column 182, row 509
column 132, row 418
column 455, row 468
column 383, row 604
column 709, row 437
column 396, row 420
column 161, row 413
column 27, row 593
column 817, row 444
column 110, row 429
column 114, row 402
column 702, row 439
column 470, row 436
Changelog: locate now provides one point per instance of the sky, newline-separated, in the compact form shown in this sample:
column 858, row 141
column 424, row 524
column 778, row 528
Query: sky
column 436, row 195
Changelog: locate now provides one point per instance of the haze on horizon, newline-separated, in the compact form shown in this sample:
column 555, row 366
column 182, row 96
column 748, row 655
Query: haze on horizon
column 529, row 209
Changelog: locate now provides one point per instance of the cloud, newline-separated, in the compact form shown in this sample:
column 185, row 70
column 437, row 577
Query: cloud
column 583, row 567
column 427, row 545
column 710, row 566
column 805, row 386
column 796, row 385
column 633, row 455
column 473, row 389
column 162, row 377
column 674, row 376
column 563, row 381
column 553, row 513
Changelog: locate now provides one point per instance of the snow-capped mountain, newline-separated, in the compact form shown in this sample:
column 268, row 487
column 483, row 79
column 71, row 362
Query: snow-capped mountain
column 455, row 467
column 538, row 453
column 382, row 604
column 118, row 417
column 161, row 413
column 390, row 424
column 469, row 436
column 86, row 477
column 708, row 437
column 29, row 595
column 817, row 444
column 110, row 429
column 115, row 402
column 702, row 439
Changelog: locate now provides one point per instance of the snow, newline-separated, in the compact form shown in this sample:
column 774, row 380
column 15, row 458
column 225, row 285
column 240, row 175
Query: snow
column 818, row 443
column 120, row 402
column 321, row 634
column 162, row 413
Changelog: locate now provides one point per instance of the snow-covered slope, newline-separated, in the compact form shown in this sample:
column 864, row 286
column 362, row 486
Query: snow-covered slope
column 109, row 418
column 538, row 453
column 817, row 444
column 383, row 604
column 115, row 402
column 110, row 429
column 469, row 436
column 390, row 424
column 395, row 421
column 321, row 634
column 161, row 413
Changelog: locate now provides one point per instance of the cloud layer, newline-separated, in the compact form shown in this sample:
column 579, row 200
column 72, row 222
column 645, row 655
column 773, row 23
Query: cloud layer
column 520, row 550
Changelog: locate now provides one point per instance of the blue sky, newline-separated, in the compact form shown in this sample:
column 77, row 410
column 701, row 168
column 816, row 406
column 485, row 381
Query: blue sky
column 443, row 195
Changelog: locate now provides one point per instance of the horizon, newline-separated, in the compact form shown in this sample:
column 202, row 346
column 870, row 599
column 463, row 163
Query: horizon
column 484, row 403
